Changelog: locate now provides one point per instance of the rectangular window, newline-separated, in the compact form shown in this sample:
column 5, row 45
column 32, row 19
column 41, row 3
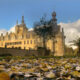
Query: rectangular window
column 24, row 42
column 27, row 41
column 20, row 42
column 31, row 41
column 28, row 36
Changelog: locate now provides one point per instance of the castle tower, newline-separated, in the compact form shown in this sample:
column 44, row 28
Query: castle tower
column 58, row 41
column 21, row 28
column 54, row 26
column 54, row 22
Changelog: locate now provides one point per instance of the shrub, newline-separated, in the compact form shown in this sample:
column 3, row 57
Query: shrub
column 5, row 54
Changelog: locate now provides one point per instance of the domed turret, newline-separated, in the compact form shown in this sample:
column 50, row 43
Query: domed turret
column 54, row 14
column 54, row 17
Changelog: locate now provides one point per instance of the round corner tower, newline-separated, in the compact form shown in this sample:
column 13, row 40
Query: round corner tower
column 59, row 39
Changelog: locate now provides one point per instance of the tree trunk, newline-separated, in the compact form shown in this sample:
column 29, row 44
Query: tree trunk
column 53, row 46
column 44, row 45
column 78, row 51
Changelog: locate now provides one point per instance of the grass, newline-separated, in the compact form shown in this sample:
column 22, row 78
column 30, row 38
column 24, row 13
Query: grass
column 34, row 57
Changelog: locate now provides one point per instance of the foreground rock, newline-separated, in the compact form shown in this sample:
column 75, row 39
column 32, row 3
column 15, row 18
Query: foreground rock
column 4, row 76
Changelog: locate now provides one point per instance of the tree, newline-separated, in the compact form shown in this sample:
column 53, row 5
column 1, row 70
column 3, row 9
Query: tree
column 47, row 29
column 77, row 43
column 69, row 51
column 42, row 29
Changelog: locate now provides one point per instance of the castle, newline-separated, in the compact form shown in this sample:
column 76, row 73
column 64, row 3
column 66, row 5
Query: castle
column 29, row 40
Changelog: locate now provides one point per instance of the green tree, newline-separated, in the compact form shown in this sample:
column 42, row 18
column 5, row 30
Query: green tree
column 42, row 29
column 47, row 29
column 69, row 51
column 77, row 43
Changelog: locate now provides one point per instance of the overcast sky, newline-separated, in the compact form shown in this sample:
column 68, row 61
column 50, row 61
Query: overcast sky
column 68, row 13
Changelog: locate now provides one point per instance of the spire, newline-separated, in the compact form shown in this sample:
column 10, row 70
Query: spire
column 17, row 22
column 22, row 19
column 62, row 30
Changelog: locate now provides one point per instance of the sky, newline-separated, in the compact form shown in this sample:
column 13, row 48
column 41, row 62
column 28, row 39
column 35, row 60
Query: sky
column 33, row 10
column 68, row 14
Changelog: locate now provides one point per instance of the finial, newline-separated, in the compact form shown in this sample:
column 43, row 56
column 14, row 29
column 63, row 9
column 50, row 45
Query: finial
column 17, row 22
column 62, row 30
column 22, row 19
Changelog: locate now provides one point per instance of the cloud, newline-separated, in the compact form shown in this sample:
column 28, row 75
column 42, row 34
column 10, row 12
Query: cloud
column 3, row 31
column 31, row 29
column 12, row 29
column 71, row 30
